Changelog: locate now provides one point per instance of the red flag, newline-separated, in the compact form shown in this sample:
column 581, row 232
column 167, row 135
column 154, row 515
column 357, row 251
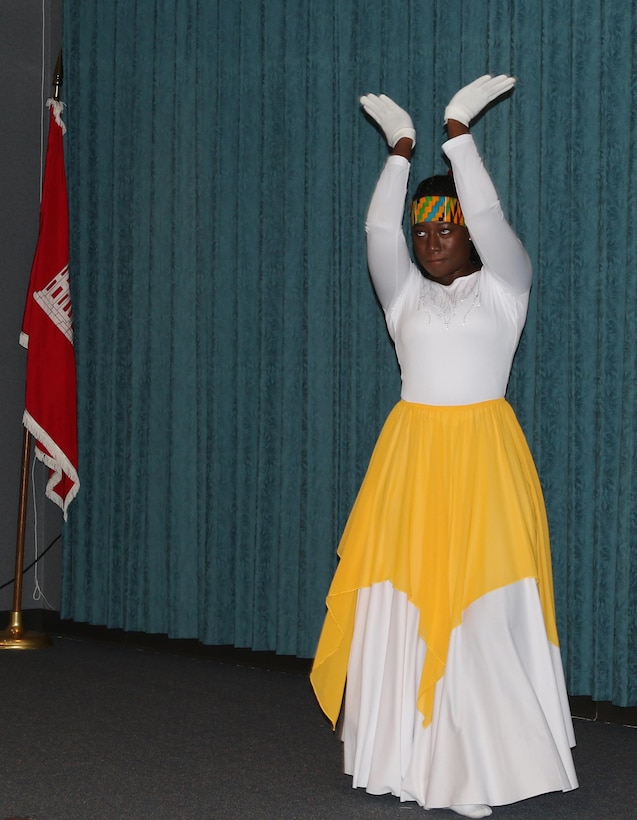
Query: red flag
column 47, row 331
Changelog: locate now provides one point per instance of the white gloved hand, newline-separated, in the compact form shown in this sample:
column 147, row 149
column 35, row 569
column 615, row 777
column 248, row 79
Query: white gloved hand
column 394, row 122
column 470, row 100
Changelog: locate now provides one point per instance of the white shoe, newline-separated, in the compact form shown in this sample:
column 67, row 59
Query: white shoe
column 475, row 810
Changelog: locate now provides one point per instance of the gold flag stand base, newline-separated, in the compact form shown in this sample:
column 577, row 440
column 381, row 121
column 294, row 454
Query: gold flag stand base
column 15, row 637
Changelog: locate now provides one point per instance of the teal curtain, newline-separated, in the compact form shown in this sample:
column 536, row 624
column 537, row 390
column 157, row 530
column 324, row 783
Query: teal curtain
column 233, row 365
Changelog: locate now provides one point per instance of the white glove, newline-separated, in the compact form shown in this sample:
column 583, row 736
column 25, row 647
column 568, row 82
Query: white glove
column 394, row 122
column 470, row 100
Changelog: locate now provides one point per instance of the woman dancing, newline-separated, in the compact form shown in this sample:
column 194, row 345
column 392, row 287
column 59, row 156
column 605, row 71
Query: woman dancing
column 440, row 615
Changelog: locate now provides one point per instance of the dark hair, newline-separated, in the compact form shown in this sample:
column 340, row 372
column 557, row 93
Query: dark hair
column 439, row 185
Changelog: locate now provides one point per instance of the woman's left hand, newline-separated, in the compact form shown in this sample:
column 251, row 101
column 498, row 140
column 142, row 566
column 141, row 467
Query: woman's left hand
column 470, row 100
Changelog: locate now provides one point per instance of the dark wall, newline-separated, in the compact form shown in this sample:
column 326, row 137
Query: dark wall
column 30, row 39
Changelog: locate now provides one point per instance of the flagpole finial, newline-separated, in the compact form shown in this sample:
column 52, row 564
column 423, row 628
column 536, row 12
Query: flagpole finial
column 58, row 76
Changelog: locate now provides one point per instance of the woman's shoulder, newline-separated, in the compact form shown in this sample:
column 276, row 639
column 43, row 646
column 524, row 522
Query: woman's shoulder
column 410, row 290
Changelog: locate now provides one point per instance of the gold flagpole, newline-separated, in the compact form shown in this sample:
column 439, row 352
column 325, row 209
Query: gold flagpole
column 58, row 76
column 14, row 636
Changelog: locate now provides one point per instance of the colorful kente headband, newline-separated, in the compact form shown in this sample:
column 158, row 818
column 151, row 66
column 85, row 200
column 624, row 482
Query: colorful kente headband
column 436, row 209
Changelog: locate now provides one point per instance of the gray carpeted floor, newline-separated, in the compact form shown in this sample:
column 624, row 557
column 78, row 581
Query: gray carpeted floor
column 92, row 730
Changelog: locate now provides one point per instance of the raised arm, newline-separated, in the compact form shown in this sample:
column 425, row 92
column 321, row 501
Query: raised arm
column 387, row 252
column 500, row 249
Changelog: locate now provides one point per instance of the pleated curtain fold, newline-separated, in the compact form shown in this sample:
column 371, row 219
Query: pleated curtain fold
column 233, row 364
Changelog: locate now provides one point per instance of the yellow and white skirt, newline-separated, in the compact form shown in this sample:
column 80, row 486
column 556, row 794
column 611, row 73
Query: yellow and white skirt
column 441, row 617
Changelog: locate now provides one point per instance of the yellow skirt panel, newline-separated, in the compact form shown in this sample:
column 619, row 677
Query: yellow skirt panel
column 450, row 509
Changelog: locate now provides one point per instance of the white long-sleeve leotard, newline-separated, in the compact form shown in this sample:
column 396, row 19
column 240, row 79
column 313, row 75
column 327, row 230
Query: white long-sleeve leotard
column 455, row 343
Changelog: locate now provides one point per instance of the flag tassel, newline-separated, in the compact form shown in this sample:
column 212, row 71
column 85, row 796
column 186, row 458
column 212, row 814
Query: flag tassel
column 15, row 636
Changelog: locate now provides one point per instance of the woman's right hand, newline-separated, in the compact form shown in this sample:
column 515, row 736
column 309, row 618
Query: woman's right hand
column 395, row 123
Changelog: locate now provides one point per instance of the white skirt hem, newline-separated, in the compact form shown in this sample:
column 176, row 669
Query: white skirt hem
column 501, row 729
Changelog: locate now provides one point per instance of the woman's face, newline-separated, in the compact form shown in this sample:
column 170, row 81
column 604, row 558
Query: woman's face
column 443, row 250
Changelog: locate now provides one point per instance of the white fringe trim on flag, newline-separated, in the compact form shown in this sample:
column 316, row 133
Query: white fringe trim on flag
column 58, row 108
column 58, row 462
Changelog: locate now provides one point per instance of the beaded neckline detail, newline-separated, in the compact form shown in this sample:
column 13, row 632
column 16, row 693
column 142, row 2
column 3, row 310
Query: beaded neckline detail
column 450, row 301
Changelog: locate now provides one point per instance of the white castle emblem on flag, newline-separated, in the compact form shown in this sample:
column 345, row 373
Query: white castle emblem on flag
column 55, row 301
